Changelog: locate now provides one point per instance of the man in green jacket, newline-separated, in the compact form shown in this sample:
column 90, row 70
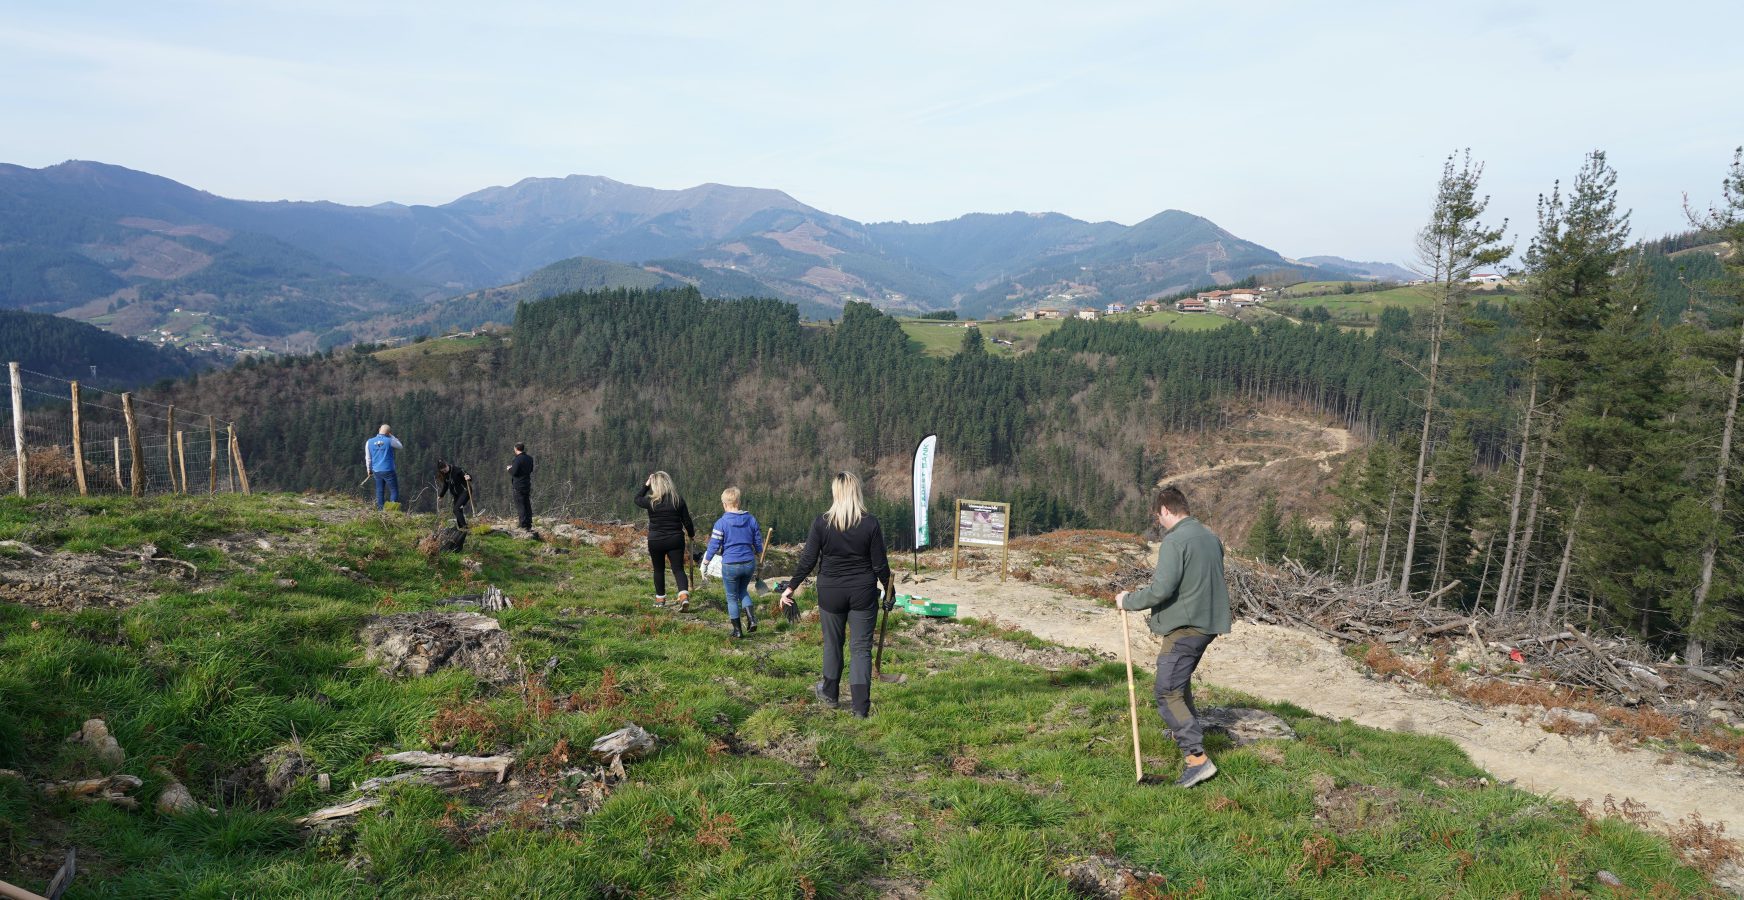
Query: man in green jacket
column 1189, row 604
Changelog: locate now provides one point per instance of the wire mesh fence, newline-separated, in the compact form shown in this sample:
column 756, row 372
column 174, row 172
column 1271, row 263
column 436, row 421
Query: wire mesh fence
column 87, row 446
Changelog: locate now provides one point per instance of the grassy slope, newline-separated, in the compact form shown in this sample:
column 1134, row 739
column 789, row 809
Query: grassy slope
column 981, row 779
column 944, row 341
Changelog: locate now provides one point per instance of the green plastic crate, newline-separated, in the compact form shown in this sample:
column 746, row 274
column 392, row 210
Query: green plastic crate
column 921, row 606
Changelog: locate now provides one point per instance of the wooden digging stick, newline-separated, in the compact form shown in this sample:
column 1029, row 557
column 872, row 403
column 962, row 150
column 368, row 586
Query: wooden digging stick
column 1131, row 697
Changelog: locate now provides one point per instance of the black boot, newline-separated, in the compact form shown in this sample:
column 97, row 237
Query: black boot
column 860, row 697
column 827, row 691
column 736, row 632
column 750, row 619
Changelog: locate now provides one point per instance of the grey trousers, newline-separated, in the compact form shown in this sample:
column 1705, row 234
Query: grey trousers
column 1182, row 650
column 836, row 627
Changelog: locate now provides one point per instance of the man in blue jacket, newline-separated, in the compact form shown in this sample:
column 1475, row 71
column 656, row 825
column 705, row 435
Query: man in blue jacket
column 378, row 455
column 1189, row 607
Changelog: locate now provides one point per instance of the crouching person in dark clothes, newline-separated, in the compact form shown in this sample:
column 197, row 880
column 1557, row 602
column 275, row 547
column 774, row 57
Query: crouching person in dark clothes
column 451, row 480
column 1189, row 604
column 846, row 545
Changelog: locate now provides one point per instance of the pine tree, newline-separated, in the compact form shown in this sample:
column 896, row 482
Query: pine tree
column 1704, row 619
column 1450, row 248
column 1572, row 267
column 1265, row 541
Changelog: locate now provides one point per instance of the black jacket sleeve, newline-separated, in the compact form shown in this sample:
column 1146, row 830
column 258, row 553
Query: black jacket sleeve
column 642, row 496
column 808, row 557
column 876, row 553
column 441, row 488
column 684, row 516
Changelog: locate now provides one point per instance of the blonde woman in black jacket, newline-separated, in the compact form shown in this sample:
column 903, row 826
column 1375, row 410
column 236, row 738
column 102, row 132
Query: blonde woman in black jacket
column 670, row 527
column 846, row 546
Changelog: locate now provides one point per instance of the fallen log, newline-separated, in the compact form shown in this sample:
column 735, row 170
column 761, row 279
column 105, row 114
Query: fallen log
column 495, row 765
column 341, row 811
column 86, row 787
column 1455, row 625
column 440, row 778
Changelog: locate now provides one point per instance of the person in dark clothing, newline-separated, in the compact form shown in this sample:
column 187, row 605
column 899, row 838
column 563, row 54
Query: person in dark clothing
column 846, row 545
column 670, row 529
column 521, row 480
column 452, row 481
column 1188, row 602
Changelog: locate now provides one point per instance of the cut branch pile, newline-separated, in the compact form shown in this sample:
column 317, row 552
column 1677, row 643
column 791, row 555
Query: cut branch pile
column 1621, row 671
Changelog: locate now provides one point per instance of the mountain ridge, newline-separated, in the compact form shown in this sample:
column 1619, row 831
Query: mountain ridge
column 88, row 239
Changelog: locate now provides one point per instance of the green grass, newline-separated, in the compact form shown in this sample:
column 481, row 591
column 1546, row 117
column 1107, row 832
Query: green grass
column 937, row 338
column 1349, row 306
column 979, row 778
column 1164, row 320
column 934, row 340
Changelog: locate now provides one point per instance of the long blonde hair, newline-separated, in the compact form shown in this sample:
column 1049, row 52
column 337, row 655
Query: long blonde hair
column 847, row 507
column 661, row 489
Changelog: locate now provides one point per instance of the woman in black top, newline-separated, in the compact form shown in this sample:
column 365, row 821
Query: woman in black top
column 450, row 479
column 669, row 528
column 846, row 545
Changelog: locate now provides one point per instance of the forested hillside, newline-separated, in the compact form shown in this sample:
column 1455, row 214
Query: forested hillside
column 63, row 348
column 1580, row 462
column 608, row 386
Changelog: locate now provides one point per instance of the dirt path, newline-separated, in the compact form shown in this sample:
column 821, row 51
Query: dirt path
column 1279, row 664
column 1339, row 439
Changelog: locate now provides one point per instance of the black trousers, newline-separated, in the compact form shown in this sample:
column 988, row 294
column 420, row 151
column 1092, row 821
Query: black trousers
column 524, row 506
column 854, row 622
column 664, row 552
column 460, row 502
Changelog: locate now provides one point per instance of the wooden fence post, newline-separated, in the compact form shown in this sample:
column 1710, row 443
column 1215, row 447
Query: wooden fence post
column 230, row 457
column 236, row 451
column 18, row 429
column 182, row 458
column 170, row 448
column 212, row 456
column 120, row 482
column 78, row 443
column 133, row 448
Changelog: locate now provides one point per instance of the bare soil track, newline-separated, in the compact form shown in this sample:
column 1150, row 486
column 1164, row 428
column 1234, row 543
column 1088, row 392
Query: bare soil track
column 1282, row 665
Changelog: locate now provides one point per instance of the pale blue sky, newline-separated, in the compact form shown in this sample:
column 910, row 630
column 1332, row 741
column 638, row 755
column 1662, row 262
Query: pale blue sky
column 1311, row 128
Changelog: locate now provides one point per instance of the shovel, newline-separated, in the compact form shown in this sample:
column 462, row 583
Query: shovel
column 1131, row 695
column 878, row 660
column 762, row 587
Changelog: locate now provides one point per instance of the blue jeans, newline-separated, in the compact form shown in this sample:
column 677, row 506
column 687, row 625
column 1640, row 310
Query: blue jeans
column 736, row 577
column 388, row 484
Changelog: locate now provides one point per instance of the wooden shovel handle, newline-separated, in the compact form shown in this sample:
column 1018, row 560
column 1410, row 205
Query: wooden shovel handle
column 1131, row 697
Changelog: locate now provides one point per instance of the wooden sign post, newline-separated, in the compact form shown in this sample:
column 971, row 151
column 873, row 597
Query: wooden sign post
column 982, row 523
